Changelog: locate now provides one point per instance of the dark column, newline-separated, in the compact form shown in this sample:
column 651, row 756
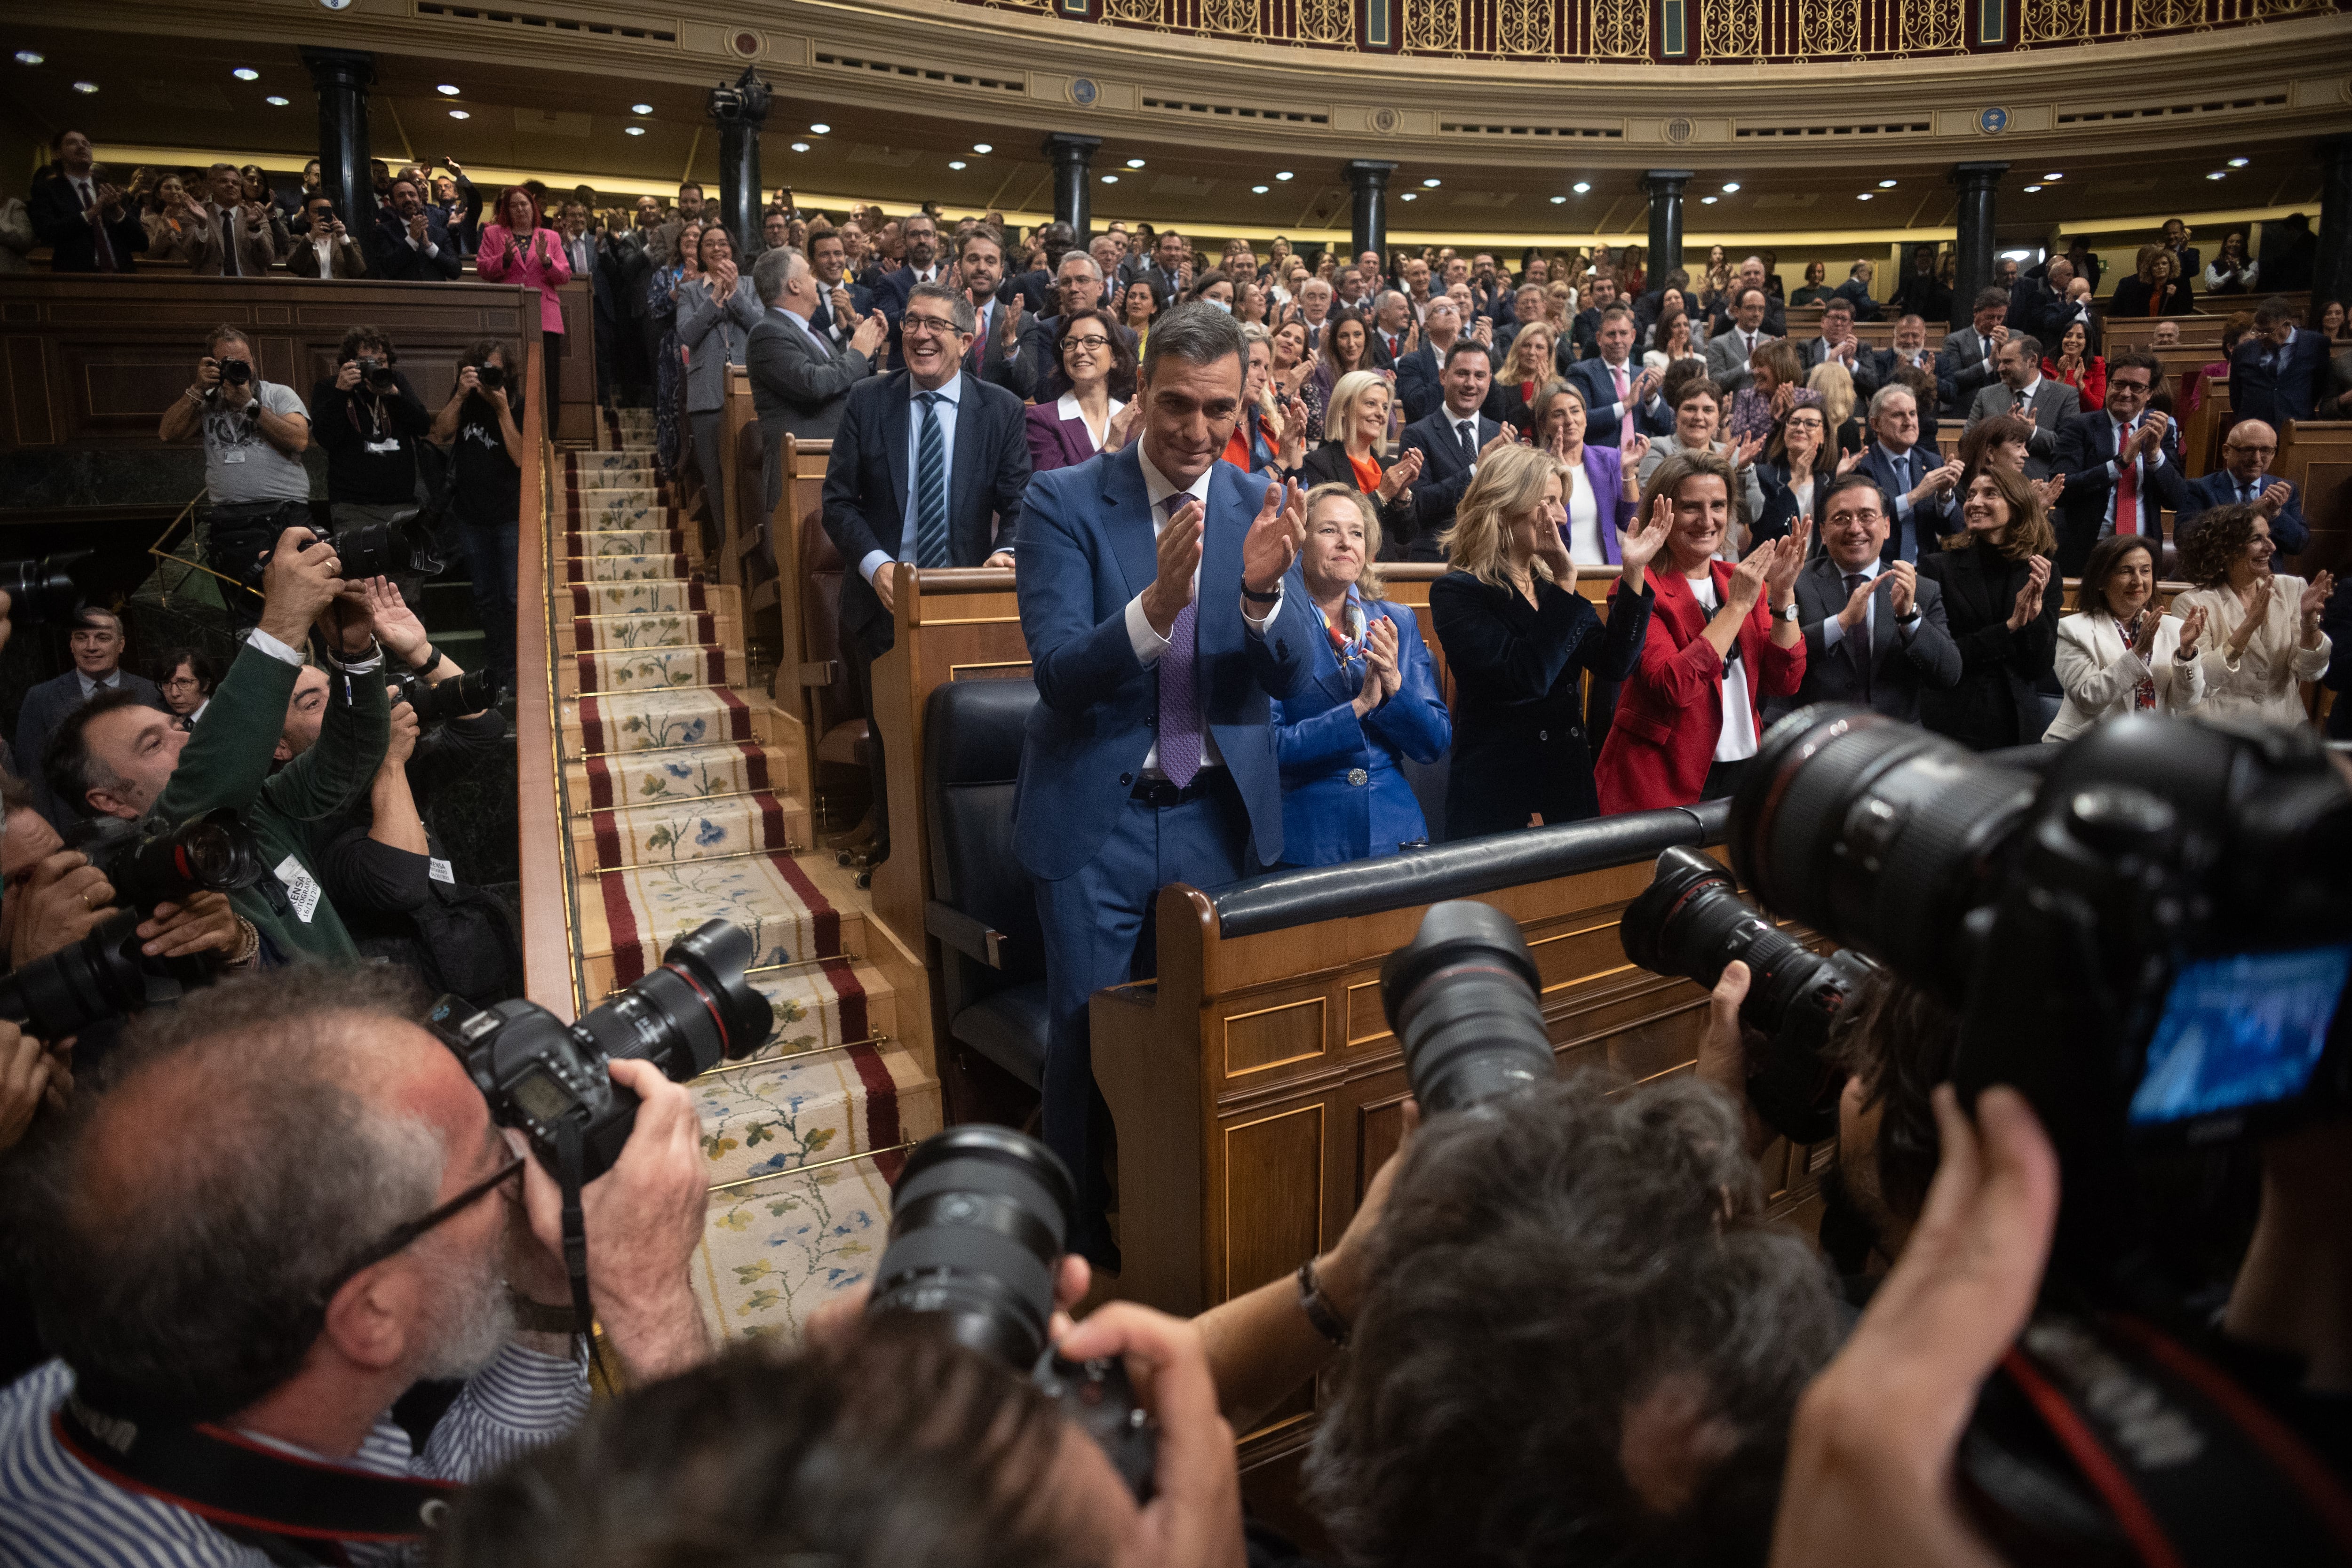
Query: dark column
column 1370, row 179
column 1074, row 202
column 1972, row 252
column 740, row 108
column 342, row 78
column 2331, row 272
column 1666, row 188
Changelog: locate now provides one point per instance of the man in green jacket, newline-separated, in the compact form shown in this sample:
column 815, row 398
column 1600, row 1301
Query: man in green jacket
column 115, row 759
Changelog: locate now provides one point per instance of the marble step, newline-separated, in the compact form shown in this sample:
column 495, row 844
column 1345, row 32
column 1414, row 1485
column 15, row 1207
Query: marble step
column 648, row 669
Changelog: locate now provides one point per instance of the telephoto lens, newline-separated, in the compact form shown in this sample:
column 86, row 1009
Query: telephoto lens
column 437, row 704
column 44, row 590
column 104, row 975
column 1461, row 998
column 148, row 864
column 977, row 1224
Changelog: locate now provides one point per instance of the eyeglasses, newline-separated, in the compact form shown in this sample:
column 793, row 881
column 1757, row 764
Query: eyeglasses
column 930, row 326
column 398, row 1238
column 2135, row 388
column 1089, row 343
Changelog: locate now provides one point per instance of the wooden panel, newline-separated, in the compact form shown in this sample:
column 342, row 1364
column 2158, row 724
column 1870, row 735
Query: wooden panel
column 1274, row 1187
column 1379, row 1128
column 550, row 977
column 2318, row 455
column 576, row 365
column 1273, row 1036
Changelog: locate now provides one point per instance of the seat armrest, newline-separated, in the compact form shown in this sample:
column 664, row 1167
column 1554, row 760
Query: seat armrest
column 820, row 671
column 975, row 939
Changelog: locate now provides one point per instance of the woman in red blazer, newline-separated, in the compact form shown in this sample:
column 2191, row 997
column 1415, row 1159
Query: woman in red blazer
column 1721, row 639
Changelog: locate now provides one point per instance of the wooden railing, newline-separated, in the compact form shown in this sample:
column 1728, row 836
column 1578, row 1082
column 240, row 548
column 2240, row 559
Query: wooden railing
column 549, row 976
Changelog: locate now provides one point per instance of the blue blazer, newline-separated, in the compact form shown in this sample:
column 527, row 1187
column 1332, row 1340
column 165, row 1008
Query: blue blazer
column 1327, row 816
column 1087, row 549
column 2289, row 531
column 2273, row 387
column 1602, row 428
column 1897, row 477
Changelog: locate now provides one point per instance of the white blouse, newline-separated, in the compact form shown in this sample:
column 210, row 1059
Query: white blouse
column 1068, row 410
column 1584, row 546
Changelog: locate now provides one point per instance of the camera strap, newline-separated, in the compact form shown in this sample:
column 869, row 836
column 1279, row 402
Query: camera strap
column 2191, row 1468
column 291, row 1509
column 570, row 1161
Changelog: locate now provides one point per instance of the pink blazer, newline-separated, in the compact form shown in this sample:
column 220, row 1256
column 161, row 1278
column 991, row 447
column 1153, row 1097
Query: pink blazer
column 539, row 265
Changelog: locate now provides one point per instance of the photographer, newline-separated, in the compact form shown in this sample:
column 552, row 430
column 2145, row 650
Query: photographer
column 368, row 418
column 345, row 1160
column 326, row 249
column 113, row 758
column 481, row 419
column 255, row 433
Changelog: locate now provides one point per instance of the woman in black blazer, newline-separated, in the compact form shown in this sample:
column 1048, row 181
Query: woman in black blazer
column 2001, row 596
column 2155, row 292
column 1518, row 639
column 1357, row 428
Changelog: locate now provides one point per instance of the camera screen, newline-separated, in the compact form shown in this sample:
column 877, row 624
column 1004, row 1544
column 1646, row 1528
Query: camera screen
column 2240, row 1031
column 542, row 1097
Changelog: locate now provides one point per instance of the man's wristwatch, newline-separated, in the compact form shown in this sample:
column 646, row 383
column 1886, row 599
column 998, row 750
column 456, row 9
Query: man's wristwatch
column 1255, row 597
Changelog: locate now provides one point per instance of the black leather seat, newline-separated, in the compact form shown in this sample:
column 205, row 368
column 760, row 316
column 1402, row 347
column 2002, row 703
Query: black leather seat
column 983, row 908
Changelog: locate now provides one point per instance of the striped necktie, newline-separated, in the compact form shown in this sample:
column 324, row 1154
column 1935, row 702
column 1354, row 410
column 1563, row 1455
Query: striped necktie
column 932, row 486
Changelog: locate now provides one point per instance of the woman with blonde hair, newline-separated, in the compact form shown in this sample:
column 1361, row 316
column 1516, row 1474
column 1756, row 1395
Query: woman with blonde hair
column 1526, row 367
column 1341, row 737
column 1518, row 641
column 2153, row 291
column 2001, row 596
column 2264, row 635
column 1832, row 385
column 1355, row 432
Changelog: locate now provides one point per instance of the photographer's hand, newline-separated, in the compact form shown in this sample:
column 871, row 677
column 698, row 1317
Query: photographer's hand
column 1195, row 1518
column 297, row 586
column 203, row 922
column 24, row 1080
column 60, row 902
column 403, row 635
column 1723, row 1049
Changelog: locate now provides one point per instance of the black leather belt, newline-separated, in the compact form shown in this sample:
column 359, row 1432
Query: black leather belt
column 1160, row 793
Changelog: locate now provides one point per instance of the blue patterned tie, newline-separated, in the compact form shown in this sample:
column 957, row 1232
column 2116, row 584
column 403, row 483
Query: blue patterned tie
column 1179, row 694
column 932, row 486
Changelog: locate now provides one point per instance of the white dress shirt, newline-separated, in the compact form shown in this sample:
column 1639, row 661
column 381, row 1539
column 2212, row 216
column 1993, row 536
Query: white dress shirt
column 91, row 685
column 1736, row 739
column 1584, row 546
column 1834, row 629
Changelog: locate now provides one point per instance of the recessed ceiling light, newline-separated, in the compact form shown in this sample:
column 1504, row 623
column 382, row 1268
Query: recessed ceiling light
column 30, row 56
column 797, row 146
column 983, row 148
column 1732, row 187
column 633, row 129
column 1410, row 196
column 1429, row 184
column 2218, row 174
column 277, row 102
column 1110, row 179
column 2239, row 163
column 640, row 108
column 1706, row 201
column 958, row 163
column 459, row 114
column 1557, row 200
column 1260, row 190
column 1579, row 188
column 1135, row 162
column 1885, row 184
column 2053, row 176
column 819, row 128
column 85, row 86
column 1285, row 175
column 2031, row 189
column 447, row 90
column 1866, row 195
column 245, row 73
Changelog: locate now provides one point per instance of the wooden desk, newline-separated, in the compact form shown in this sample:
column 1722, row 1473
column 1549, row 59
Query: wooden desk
column 2318, row 455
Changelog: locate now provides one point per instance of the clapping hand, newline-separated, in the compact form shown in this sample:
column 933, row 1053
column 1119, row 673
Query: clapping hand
column 871, row 333
column 2151, row 615
column 1748, row 578
column 2192, row 627
column 2029, row 594
column 1629, row 457
column 2152, row 429
column 1008, row 336
column 1857, row 605
column 1636, row 548
column 1784, row 397
column 1787, row 559
column 2275, row 497
column 1745, row 452
column 1121, row 428
column 1381, row 680
column 1506, row 437
column 2314, row 598
column 1643, row 386
column 1400, row 475
column 1274, row 539
column 2047, row 491
column 1905, row 593
column 1179, row 552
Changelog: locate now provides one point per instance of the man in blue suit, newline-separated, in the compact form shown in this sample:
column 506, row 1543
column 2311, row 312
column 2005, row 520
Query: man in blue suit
column 2244, row 478
column 2276, row 372
column 1152, row 603
column 2122, row 466
column 1616, row 387
column 1921, row 494
column 927, row 469
column 920, row 235
column 1450, row 441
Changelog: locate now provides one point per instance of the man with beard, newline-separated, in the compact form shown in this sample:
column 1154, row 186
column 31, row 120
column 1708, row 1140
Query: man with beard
column 289, row 1207
column 409, row 244
column 919, row 236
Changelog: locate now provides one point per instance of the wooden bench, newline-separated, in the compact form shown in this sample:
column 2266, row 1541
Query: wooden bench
column 2318, row 455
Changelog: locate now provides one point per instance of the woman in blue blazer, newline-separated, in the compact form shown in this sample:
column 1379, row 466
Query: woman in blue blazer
column 1372, row 703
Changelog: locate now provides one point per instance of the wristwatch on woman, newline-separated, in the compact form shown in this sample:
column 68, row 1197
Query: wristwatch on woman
column 1787, row 612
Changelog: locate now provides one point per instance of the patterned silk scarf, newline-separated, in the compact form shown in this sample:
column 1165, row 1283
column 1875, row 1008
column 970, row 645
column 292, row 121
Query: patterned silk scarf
column 1348, row 635
column 2143, row 694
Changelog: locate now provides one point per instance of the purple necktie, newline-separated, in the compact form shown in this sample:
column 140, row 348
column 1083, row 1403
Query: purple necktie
column 1179, row 697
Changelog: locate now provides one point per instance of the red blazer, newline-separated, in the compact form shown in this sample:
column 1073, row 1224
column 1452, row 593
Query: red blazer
column 1670, row 714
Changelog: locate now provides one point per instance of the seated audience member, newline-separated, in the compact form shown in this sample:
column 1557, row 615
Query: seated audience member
column 1731, row 346
column 325, row 250
column 186, row 679
column 2023, row 392
column 1721, row 639
column 716, row 313
column 1838, row 401
column 409, row 244
column 1518, row 641
column 1371, row 702
column 1966, row 363
column 1084, row 415
column 2001, row 598
column 89, row 224
column 1448, row 447
column 2261, row 628
column 1775, row 383
column 1699, row 428
column 1597, row 483
column 801, row 372
column 2276, row 371
column 1355, row 433
column 1837, row 343
column 115, row 757
column 2121, row 465
column 2243, row 479
column 1620, row 397
column 1583, row 1342
column 1918, row 490
column 947, row 519
column 521, row 248
column 1791, row 474
column 255, row 433
column 1876, row 633
column 347, row 1151
column 2120, row 652
column 487, row 495
column 1816, row 290
column 2157, row 290
column 230, row 235
column 1855, row 290
column 1527, row 369
column 95, row 637
column 1672, row 344
column 368, row 419
column 2074, row 365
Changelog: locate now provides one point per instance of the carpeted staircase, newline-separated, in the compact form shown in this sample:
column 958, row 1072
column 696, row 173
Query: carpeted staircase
column 685, row 796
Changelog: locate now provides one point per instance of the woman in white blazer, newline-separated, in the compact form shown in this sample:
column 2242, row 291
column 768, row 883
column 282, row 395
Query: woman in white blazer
column 2265, row 639
column 2120, row 653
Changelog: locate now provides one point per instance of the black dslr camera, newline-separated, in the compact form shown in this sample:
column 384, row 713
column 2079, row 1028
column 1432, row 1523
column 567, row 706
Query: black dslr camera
column 105, row 975
column 454, row 698
column 1690, row 922
column 490, row 377
column 376, row 373
column 392, row 549
column 548, row 1077
column 1461, row 999
column 44, row 590
column 236, row 372
column 979, row 1221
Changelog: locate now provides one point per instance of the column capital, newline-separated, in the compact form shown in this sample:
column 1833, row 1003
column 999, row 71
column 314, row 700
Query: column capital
column 1668, row 179
column 1362, row 172
column 340, row 67
column 1070, row 144
column 1977, row 173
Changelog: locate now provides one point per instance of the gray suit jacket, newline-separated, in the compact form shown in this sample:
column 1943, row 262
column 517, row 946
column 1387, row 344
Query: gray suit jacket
column 796, row 389
column 46, row 706
column 714, row 333
column 1727, row 361
column 1966, row 362
column 1902, row 660
column 2054, row 403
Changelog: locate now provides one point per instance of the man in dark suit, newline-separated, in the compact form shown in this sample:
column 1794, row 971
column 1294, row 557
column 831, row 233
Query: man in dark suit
column 927, row 468
column 1169, row 271
column 2023, row 391
column 87, row 223
column 1855, row 291
column 1490, row 291
column 995, row 355
column 2120, row 466
column 96, row 639
column 1392, row 334
column 2276, row 372
column 919, row 236
column 1916, row 493
column 409, row 244
column 2244, row 478
column 1451, row 441
column 1615, row 388
column 843, row 303
column 800, row 378
column 1418, row 390
column 1728, row 350
column 1838, row 342
column 1077, row 286
column 1875, row 630
column 1752, row 274
column 1584, row 329
column 1157, row 628
column 1035, row 287
column 1966, row 362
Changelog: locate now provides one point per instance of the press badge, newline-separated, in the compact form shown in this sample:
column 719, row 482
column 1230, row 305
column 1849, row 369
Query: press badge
column 440, row 872
column 301, row 890
column 234, row 455
column 385, row 448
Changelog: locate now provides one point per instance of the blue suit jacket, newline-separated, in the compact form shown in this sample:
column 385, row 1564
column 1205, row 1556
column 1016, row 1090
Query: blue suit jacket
column 2275, row 395
column 1932, row 518
column 1327, row 817
column 2289, row 531
column 1087, row 549
column 1603, row 429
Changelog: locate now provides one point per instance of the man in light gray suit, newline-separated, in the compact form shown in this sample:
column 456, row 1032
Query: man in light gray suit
column 2023, row 391
column 1727, row 350
column 800, row 378
column 1875, row 632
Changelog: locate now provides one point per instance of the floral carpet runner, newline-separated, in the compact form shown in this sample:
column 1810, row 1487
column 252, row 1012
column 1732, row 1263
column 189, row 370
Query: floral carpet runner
column 686, row 800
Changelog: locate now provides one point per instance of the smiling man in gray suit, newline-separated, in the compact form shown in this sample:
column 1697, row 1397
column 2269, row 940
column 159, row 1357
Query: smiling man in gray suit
column 2022, row 390
column 800, row 378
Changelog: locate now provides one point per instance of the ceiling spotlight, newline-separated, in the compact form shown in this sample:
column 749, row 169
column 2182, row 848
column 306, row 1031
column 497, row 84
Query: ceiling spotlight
column 1285, row 175
column 1410, row 196
column 1706, row 201
column 277, row 102
column 819, row 128
column 1579, row 188
column 1557, row 200
column 2032, row 189
column 1110, row 179
column 30, row 56
column 447, row 90
column 640, row 108
column 1866, row 195
column 958, row 163
column 1260, row 190
column 1430, row 185
column 1732, row 187
column 1885, row 184
column 2239, row 163
column 633, row 129
column 2053, row 176
column 245, row 73
column 2218, row 174
column 459, row 114
column 797, row 146
column 85, row 86
column 983, row 148
column 1135, row 162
